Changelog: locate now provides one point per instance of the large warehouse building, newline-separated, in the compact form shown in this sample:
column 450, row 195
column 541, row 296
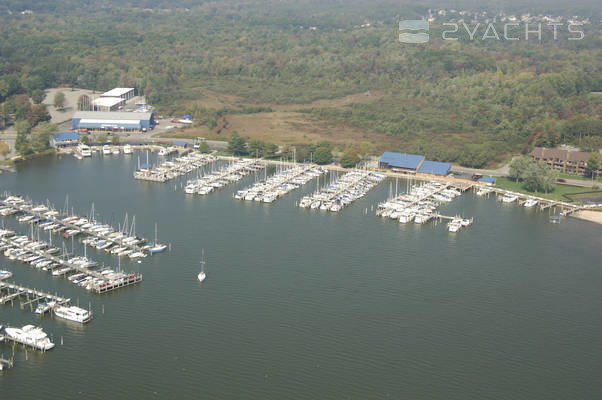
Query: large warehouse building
column 124, row 93
column 113, row 121
column 412, row 163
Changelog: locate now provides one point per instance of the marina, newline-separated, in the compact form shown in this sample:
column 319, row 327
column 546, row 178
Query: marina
column 171, row 169
column 419, row 204
column 40, row 256
column 311, row 292
column 221, row 177
column 342, row 191
column 285, row 180
column 101, row 236
column 29, row 298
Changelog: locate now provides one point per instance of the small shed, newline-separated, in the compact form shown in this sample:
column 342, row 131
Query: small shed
column 180, row 143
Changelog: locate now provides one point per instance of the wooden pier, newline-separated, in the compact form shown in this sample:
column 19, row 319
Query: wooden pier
column 27, row 296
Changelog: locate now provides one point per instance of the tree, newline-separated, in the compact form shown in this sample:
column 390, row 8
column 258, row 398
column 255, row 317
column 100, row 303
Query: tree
column 37, row 96
column 36, row 114
column 204, row 148
column 349, row 159
column 237, row 145
column 270, row 150
column 323, row 155
column 59, row 100
column 40, row 135
column 102, row 138
column 256, row 148
column 539, row 177
column 4, row 150
column 115, row 139
column 593, row 163
column 85, row 139
column 21, row 142
column 518, row 167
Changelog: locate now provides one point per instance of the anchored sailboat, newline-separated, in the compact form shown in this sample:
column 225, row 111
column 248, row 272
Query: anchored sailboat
column 202, row 275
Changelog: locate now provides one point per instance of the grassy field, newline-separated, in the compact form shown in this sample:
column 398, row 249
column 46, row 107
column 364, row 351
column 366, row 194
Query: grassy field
column 286, row 126
column 578, row 177
column 558, row 193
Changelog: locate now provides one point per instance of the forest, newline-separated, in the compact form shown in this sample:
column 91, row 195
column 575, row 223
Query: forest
column 474, row 102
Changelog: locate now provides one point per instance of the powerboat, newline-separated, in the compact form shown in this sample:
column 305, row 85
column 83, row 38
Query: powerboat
column 73, row 313
column 30, row 335
column 127, row 149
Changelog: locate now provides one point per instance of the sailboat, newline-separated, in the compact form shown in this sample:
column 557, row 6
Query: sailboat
column 202, row 275
column 157, row 248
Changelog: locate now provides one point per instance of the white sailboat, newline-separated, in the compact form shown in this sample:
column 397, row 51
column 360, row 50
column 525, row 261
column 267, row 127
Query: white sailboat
column 202, row 274
column 157, row 248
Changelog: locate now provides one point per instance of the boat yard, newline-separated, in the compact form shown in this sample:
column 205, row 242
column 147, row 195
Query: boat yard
column 216, row 179
column 171, row 169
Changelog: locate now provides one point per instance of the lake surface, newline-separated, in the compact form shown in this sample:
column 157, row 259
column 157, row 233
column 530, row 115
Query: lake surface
column 301, row 304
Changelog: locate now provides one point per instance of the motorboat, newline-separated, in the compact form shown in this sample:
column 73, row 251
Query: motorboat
column 127, row 149
column 30, row 335
column 73, row 313
column 5, row 275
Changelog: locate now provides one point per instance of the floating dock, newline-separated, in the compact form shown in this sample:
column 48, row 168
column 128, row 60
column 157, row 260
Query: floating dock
column 9, row 292
column 174, row 168
column 234, row 172
column 343, row 191
column 281, row 183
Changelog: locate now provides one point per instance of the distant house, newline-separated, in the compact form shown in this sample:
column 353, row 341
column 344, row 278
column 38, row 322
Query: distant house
column 180, row 143
column 567, row 161
column 64, row 139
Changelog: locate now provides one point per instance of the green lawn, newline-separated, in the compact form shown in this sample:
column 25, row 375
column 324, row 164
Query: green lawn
column 578, row 177
column 556, row 194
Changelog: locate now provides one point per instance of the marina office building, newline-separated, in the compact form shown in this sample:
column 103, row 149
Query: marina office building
column 412, row 163
column 86, row 121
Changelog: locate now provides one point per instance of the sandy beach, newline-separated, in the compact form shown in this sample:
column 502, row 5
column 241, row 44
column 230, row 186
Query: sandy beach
column 589, row 215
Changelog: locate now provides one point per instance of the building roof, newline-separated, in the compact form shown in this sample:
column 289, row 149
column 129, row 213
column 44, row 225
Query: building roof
column 434, row 167
column 401, row 160
column 107, row 101
column 179, row 143
column 560, row 154
column 65, row 136
column 487, row 179
column 113, row 115
column 116, row 92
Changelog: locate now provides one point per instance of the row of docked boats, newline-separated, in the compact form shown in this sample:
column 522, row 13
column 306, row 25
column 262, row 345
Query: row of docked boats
column 115, row 150
column 218, row 178
column 78, row 269
column 510, row 197
column 419, row 204
column 101, row 235
column 342, row 191
column 285, row 180
column 170, row 169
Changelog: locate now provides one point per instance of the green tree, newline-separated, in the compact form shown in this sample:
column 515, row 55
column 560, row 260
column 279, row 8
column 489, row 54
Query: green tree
column 40, row 136
column 519, row 166
column 349, row 159
column 256, row 148
column 323, row 155
column 204, row 148
column 59, row 100
column 85, row 139
column 115, row 139
column 102, row 138
column 593, row 163
column 21, row 141
column 237, row 145
column 37, row 96
column 270, row 150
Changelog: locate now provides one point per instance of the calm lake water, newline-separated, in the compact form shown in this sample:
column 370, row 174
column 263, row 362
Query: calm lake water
column 300, row 304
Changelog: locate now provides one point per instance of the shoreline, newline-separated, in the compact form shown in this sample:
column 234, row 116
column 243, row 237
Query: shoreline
column 588, row 215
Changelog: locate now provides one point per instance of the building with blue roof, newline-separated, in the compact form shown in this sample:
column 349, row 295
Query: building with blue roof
column 64, row 139
column 180, row 143
column 434, row 168
column 400, row 161
column 487, row 179
column 113, row 121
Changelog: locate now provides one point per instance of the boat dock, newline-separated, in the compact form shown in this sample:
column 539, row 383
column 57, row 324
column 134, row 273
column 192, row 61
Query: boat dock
column 97, row 281
column 529, row 201
column 281, row 183
column 174, row 168
column 343, row 191
column 6, row 363
column 420, row 202
column 27, row 296
column 234, row 172
column 51, row 220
